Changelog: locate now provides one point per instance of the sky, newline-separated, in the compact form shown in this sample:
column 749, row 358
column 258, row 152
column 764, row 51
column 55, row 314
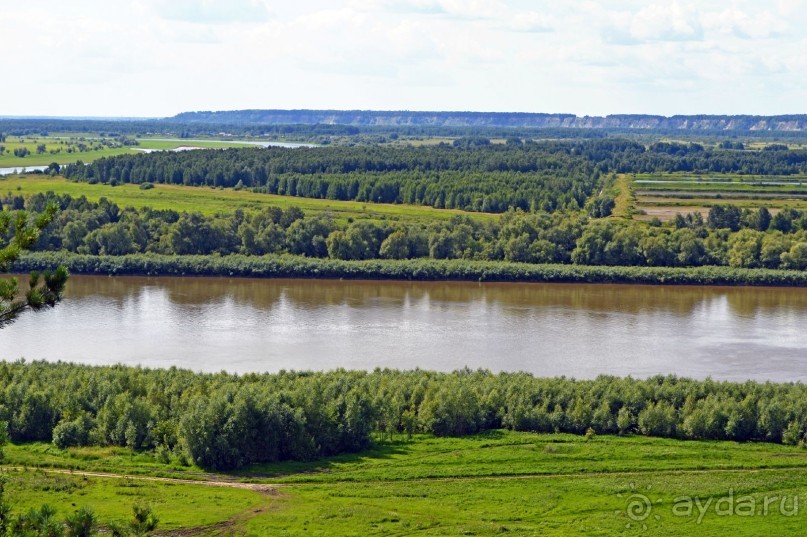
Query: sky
column 155, row 58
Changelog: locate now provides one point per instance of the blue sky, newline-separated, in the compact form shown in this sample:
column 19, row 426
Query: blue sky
column 161, row 57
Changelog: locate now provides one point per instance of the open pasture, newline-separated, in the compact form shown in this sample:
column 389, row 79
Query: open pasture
column 488, row 484
column 209, row 201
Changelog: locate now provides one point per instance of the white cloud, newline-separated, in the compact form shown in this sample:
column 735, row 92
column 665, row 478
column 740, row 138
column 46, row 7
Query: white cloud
column 655, row 22
column 153, row 57
column 428, row 7
column 739, row 23
column 459, row 9
column 533, row 21
column 213, row 11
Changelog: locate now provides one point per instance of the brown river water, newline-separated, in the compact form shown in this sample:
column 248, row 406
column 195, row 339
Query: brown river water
column 577, row 330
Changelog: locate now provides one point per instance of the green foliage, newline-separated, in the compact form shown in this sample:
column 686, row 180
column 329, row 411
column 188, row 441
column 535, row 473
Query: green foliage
column 82, row 523
column 103, row 229
column 724, row 217
column 43, row 522
column 286, row 266
column 474, row 175
column 227, row 422
column 144, row 520
column 18, row 232
column 5, row 510
column 73, row 433
column 601, row 206
column 3, row 440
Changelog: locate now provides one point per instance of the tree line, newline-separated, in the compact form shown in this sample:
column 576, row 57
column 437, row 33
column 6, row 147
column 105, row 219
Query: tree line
column 224, row 421
column 727, row 237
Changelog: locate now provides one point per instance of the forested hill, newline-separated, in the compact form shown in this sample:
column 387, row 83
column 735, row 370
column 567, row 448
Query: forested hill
column 742, row 123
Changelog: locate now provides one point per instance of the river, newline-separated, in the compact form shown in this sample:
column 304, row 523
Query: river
column 578, row 330
column 21, row 169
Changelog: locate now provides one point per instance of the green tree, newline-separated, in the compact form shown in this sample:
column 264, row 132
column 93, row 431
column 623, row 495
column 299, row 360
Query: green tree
column 82, row 523
column 687, row 247
column 601, row 206
column 3, row 441
column 625, row 420
column 396, row 246
column 193, row 234
column 745, row 247
column 796, row 257
column 144, row 520
column 517, row 249
column 783, row 221
column 724, row 217
column 658, row 419
column 774, row 244
column 44, row 290
column 762, row 220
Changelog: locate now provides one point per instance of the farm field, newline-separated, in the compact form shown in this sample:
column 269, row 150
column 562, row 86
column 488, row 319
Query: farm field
column 492, row 483
column 210, row 201
column 664, row 195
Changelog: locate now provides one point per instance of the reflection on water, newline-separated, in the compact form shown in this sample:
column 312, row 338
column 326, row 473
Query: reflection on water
column 548, row 329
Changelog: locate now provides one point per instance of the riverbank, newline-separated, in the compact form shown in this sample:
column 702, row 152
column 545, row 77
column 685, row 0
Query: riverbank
column 288, row 266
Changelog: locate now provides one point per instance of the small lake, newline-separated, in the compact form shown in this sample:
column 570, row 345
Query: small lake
column 250, row 325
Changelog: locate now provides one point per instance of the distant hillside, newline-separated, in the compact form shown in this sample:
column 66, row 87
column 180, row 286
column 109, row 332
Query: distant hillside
column 786, row 123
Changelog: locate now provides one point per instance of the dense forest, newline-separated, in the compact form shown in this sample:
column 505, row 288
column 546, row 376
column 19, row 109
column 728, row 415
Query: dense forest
column 727, row 237
column 223, row 421
column 471, row 174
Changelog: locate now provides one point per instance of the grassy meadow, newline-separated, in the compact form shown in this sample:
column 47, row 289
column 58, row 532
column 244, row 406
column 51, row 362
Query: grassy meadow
column 625, row 200
column 178, row 505
column 488, row 484
column 211, row 201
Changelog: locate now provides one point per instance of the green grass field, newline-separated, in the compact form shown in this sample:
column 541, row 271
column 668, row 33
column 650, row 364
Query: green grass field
column 210, row 201
column 494, row 483
column 177, row 505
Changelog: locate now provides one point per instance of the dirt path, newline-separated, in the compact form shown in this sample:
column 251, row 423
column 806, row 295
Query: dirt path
column 257, row 487
column 271, row 492
column 274, row 489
